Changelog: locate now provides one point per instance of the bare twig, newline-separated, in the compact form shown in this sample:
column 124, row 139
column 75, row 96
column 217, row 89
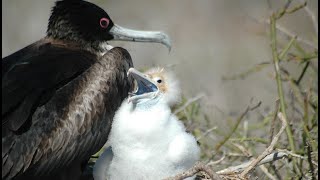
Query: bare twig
column 265, row 171
column 278, row 78
column 276, row 109
column 275, row 170
column 199, row 166
column 269, row 158
column 221, row 143
column 287, row 33
column 246, row 73
column 312, row 17
column 217, row 161
column 295, row 155
column 286, row 10
column 235, row 154
column 269, row 149
column 303, row 72
column 190, row 101
column 254, row 139
column 309, row 150
column 244, row 151
column 206, row 133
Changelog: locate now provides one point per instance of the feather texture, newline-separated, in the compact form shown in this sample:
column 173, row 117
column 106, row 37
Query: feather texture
column 66, row 125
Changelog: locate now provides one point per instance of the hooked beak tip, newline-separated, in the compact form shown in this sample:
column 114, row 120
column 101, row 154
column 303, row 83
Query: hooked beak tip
column 166, row 41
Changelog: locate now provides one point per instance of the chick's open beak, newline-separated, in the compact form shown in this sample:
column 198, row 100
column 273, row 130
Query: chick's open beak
column 145, row 89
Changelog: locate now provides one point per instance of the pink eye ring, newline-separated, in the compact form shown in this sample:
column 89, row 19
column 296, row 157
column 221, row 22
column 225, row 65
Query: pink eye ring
column 104, row 22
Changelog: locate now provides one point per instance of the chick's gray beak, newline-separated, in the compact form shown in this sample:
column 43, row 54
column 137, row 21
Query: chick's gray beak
column 124, row 34
column 145, row 86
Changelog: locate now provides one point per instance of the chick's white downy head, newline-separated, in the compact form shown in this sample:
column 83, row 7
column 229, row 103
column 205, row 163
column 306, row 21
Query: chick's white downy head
column 155, row 84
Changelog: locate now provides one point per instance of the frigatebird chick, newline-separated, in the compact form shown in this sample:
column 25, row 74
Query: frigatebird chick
column 147, row 141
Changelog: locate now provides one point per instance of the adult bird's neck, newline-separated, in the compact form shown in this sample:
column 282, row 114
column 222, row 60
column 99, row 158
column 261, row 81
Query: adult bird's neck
column 95, row 47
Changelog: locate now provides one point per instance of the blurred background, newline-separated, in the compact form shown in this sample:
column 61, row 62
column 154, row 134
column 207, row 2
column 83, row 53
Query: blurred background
column 210, row 39
column 214, row 42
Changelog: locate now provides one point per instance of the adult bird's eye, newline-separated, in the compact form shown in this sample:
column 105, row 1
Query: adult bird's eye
column 104, row 22
column 159, row 81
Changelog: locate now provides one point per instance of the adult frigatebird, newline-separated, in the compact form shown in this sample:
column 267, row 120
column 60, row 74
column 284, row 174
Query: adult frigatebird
column 59, row 94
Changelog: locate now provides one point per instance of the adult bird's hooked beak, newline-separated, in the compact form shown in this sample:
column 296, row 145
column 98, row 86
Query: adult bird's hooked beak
column 146, row 88
column 124, row 34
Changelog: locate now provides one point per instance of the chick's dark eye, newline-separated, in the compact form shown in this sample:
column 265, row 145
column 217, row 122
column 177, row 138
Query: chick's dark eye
column 159, row 81
column 104, row 22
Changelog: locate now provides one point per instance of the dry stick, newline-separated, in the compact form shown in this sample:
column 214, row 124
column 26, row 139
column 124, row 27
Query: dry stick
column 285, row 32
column 273, row 123
column 265, row 170
column 219, row 145
column 294, row 9
column 309, row 150
column 244, row 151
column 302, row 73
column 210, row 163
column 312, row 17
column 199, row 166
column 269, row 149
column 246, row 73
column 207, row 132
column 295, row 155
column 276, row 109
column 284, row 9
column 236, row 169
column 294, row 84
column 196, row 98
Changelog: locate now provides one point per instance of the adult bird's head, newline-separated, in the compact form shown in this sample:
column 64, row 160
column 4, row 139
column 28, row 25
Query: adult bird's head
column 87, row 24
column 155, row 85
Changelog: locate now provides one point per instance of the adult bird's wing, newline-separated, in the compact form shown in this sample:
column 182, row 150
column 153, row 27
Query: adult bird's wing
column 61, row 132
column 32, row 75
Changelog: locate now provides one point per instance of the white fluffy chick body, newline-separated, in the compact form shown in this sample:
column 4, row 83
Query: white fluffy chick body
column 147, row 140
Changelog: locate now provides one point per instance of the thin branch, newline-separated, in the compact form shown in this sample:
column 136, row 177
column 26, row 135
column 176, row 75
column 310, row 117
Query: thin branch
column 221, row 143
column 312, row 17
column 255, row 139
column 295, row 155
column 276, row 109
column 275, row 170
column 294, row 9
column 199, row 166
column 269, row 149
column 266, row 172
column 309, row 150
column 207, row 132
column 217, row 161
column 303, row 72
column 278, row 78
column 286, row 49
column 244, row 151
column 287, row 33
column 246, row 73
column 283, row 10
column 190, row 101
column 269, row 158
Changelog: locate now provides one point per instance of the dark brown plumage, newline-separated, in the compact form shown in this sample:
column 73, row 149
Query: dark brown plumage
column 76, row 116
column 59, row 94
